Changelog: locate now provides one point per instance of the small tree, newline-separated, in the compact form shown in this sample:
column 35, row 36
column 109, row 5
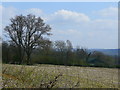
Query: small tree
column 60, row 47
column 26, row 32
column 69, row 54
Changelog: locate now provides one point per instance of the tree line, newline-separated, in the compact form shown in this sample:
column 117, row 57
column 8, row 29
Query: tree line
column 58, row 53
column 29, row 44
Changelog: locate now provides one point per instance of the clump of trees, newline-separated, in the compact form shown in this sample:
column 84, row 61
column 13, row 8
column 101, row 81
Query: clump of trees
column 28, row 45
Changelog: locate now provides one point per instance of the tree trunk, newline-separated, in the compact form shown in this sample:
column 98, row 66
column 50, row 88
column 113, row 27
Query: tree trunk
column 21, row 55
column 28, row 58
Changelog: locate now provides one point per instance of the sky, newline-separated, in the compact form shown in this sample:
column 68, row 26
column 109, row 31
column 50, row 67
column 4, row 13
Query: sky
column 92, row 25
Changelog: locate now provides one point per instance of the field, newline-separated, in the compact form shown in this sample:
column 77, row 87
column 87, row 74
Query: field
column 55, row 76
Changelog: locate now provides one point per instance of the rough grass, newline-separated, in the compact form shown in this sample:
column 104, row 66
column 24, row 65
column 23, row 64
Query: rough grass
column 55, row 76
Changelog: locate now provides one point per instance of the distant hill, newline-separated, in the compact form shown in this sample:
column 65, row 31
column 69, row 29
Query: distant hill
column 111, row 52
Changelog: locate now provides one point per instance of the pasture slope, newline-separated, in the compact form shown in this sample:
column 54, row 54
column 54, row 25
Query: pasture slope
column 56, row 76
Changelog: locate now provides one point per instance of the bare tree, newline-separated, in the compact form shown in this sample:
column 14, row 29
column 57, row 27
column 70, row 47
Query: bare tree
column 26, row 32
column 69, row 51
column 45, row 46
column 69, row 45
column 60, row 45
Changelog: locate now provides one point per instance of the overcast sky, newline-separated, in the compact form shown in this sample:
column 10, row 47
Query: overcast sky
column 89, row 24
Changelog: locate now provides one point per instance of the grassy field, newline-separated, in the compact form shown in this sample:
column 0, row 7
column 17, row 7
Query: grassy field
column 55, row 76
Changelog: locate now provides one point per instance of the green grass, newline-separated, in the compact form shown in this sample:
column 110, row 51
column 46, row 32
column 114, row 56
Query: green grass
column 56, row 76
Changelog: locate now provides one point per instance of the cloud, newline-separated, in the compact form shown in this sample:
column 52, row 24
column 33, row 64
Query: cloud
column 74, row 36
column 68, row 15
column 111, row 12
column 104, row 25
column 0, row 8
column 69, row 32
column 7, row 13
column 65, row 19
